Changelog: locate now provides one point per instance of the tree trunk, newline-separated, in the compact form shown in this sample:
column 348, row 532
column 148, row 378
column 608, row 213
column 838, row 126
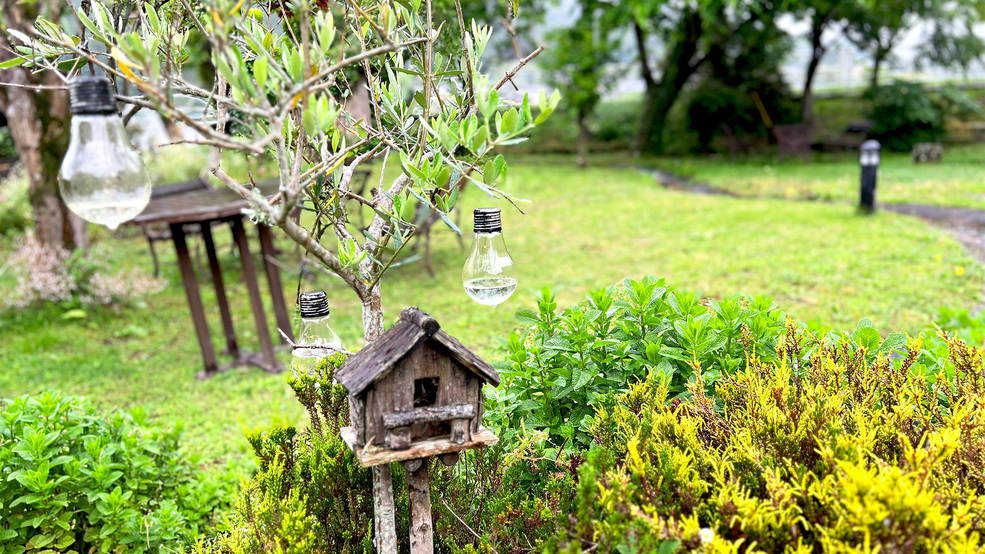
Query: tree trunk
column 372, row 303
column 384, row 520
column 678, row 67
column 817, row 52
column 582, row 140
column 876, row 62
column 38, row 122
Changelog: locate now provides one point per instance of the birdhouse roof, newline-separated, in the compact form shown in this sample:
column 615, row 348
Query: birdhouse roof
column 414, row 328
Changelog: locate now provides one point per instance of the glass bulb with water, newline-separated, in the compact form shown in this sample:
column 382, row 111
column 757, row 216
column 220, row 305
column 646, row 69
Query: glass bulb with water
column 316, row 338
column 102, row 178
column 488, row 272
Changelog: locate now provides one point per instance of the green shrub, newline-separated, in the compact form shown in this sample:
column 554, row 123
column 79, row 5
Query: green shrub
column 49, row 274
column 904, row 114
column 716, row 106
column 647, row 420
column 569, row 363
column 310, row 494
column 846, row 453
column 75, row 481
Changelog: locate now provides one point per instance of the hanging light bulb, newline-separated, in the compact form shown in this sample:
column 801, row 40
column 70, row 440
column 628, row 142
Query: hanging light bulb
column 316, row 338
column 102, row 178
column 488, row 271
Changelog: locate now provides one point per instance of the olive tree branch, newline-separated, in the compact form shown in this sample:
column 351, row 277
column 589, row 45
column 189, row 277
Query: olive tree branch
column 297, row 233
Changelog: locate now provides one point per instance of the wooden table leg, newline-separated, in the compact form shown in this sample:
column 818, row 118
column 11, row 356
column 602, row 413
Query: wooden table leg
column 194, row 301
column 273, row 280
column 250, row 276
column 220, row 291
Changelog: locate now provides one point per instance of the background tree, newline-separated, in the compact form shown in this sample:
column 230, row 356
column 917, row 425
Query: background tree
column 952, row 41
column 692, row 32
column 680, row 26
column 579, row 60
column 36, row 108
column 875, row 28
column 823, row 15
column 743, row 68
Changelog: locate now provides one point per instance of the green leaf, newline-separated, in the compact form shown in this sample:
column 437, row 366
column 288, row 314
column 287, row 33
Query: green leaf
column 75, row 314
column 668, row 547
column 528, row 316
column 13, row 63
column 449, row 223
column 868, row 338
column 260, row 72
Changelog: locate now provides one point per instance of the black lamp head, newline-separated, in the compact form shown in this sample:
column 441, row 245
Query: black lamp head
column 91, row 95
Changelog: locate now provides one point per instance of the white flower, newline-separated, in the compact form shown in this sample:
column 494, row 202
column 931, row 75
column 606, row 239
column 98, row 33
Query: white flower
column 706, row 535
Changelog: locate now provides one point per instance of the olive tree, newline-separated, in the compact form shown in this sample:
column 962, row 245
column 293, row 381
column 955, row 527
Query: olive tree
column 285, row 73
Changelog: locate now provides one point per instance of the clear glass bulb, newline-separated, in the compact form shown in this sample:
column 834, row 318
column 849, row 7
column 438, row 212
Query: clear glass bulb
column 317, row 331
column 488, row 272
column 316, row 338
column 102, row 178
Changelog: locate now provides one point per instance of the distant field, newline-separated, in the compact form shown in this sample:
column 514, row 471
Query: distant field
column 958, row 181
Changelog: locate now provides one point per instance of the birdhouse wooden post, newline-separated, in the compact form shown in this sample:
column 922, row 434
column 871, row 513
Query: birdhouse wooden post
column 414, row 393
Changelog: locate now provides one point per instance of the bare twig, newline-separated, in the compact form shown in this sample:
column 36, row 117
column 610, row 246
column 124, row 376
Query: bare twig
column 293, row 230
column 509, row 74
column 460, row 520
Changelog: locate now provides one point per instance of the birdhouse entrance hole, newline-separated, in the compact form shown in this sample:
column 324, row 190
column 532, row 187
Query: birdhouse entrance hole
column 425, row 392
column 425, row 396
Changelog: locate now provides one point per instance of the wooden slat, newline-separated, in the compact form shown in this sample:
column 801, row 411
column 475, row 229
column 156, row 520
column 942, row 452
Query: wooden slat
column 256, row 300
column 198, row 205
column 467, row 358
column 269, row 254
column 371, row 455
column 220, row 291
column 377, row 359
column 428, row 414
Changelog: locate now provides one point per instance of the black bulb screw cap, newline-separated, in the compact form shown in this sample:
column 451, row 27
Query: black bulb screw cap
column 487, row 220
column 91, row 95
column 314, row 304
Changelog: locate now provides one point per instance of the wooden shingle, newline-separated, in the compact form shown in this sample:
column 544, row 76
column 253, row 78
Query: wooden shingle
column 375, row 361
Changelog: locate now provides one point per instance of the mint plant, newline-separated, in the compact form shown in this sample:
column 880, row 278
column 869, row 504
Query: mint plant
column 74, row 481
column 568, row 363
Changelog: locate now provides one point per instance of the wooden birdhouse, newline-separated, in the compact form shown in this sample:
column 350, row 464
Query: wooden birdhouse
column 415, row 392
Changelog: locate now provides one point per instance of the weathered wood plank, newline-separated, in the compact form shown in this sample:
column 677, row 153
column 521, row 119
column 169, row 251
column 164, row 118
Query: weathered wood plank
column 379, row 357
column 372, row 455
column 466, row 357
column 357, row 416
column 425, row 415
column 398, row 438
column 384, row 514
column 427, row 323
column 460, row 431
column 419, row 495
column 473, row 394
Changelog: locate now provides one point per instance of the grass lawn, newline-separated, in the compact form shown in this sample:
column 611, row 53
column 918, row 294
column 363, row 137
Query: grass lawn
column 584, row 229
column 958, row 181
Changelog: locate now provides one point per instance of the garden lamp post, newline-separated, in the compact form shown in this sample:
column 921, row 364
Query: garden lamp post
column 868, row 158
